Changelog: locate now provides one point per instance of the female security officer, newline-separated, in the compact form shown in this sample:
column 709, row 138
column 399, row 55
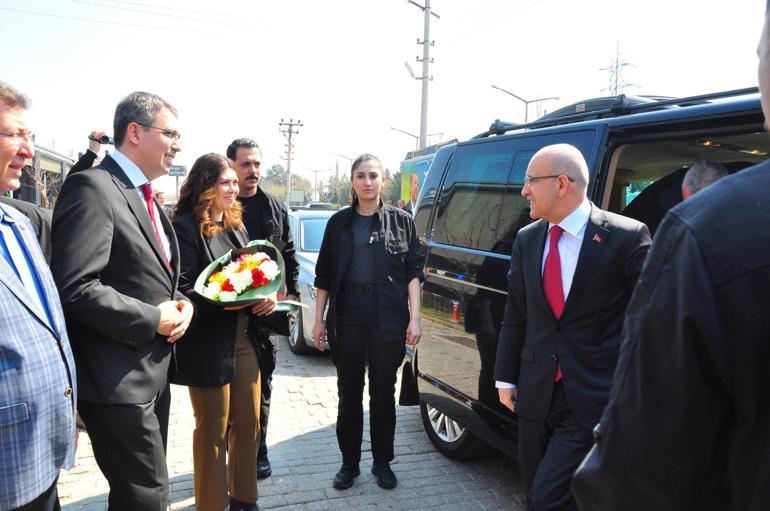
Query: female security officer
column 369, row 269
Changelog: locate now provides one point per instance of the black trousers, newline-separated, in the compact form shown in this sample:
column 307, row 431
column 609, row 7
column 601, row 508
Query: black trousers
column 356, row 346
column 129, row 444
column 267, row 354
column 549, row 453
column 46, row 501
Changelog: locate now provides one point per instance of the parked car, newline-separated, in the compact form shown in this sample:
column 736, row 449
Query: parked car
column 307, row 229
column 470, row 210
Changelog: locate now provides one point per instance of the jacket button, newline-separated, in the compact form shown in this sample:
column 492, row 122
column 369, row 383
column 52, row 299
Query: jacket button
column 68, row 392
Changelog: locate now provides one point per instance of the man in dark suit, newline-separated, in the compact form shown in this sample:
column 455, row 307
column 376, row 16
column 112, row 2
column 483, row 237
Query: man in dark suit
column 115, row 260
column 687, row 423
column 572, row 274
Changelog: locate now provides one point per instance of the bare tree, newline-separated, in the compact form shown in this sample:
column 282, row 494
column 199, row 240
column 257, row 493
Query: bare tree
column 46, row 182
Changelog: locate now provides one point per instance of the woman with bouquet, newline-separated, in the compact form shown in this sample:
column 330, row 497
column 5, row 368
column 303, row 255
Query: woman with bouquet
column 369, row 269
column 216, row 359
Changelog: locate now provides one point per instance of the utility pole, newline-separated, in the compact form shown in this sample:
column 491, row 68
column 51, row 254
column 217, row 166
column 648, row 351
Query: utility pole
column 288, row 129
column 426, row 61
column 315, row 183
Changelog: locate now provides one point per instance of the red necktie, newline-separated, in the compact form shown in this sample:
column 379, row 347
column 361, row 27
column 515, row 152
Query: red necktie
column 552, row 286
column 150, row 202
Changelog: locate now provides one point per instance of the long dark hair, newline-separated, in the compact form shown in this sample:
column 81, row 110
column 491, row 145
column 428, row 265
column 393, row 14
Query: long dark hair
column 198, row 192
column 358, row 161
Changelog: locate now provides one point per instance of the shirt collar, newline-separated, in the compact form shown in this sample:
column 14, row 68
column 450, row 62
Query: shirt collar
column 5, row 217
column 576, row 221
column 133, row 172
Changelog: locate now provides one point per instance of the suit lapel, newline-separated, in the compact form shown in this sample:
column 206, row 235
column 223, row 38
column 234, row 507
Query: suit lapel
column 536, row 261
column 9, row 278
column 594, row 240
column 139, row 209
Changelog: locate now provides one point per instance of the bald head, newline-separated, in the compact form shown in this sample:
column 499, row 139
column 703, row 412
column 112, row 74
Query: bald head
column 556, row 183
column 565, row 159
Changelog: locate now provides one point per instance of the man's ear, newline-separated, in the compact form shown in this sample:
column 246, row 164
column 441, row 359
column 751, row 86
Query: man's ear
column 132, row 133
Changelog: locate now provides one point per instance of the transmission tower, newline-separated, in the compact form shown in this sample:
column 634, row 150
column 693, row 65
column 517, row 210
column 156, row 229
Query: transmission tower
column 617, row 83
column 289, row 129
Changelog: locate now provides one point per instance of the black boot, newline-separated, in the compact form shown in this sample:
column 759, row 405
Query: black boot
column 263, row 465
column 386, row 479
column 237, row 505
column 344, row 478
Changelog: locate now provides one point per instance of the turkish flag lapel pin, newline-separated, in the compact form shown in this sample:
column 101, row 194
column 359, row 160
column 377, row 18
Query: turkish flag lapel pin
column 598, row 239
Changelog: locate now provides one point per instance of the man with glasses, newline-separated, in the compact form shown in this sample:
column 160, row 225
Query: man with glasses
column 37, row 370
column 571, row 276
column 116, row 262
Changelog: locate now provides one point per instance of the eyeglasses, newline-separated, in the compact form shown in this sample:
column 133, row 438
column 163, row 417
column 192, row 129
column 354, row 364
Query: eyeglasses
column 20, row 137
column 528, row 179
column 172, row 134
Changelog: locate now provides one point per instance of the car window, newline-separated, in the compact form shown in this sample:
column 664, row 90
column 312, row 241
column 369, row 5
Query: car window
column 312, row 234
column 481, row 206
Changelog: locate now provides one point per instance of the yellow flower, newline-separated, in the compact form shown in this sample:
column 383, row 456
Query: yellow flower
column 218, row 277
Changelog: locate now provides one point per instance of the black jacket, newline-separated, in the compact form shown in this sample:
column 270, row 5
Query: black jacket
column 688, row 422
column 111, row 275
column 398, row 259
column 586, row 337
column 266, row 218
column 85, row 162
column 205, row 356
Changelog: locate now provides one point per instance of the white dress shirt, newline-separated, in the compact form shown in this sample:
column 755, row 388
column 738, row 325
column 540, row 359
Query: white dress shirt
column 571, row 239
column 137, row 178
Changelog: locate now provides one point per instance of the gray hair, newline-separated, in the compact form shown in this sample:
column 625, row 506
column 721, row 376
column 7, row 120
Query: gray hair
column 12, row 98
column 702, row 174
column 139, row 107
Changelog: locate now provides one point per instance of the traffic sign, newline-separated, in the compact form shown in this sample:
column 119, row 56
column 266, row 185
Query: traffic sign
column 178, row 171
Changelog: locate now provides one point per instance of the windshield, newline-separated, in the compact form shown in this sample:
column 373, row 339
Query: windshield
column 312, row 234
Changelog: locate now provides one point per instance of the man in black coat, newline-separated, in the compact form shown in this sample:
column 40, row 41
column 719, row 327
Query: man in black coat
column 115, row 262
column 265, row 218
column 571, row 276
column 688, row 422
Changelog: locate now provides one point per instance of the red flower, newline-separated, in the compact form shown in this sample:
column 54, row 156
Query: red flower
column 258, row 278
column 226, row 286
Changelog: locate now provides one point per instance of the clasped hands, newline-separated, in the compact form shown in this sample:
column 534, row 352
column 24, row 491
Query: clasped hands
column 175, row 317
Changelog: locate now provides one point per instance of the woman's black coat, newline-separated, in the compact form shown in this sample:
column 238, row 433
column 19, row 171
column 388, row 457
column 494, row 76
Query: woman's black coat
column 397, row 260
column 205, row 355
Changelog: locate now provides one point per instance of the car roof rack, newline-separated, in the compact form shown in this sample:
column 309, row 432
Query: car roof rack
column 613, row 106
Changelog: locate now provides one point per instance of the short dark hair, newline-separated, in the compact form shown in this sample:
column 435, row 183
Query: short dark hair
column 12, row 98
column 236, row 144
column 139, row 107
column 702, row 174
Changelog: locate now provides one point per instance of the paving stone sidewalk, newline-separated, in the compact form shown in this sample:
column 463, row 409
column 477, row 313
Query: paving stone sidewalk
column 304, row 455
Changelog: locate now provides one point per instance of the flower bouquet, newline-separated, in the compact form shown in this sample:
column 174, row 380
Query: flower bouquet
column 245, row 276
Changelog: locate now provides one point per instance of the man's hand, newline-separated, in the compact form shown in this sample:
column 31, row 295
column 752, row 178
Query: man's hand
column 413, row 332
column 266, row 306
column 185, row 309
column 95, row 145
column 170, row 318
column 508, row 398
column 319, row 334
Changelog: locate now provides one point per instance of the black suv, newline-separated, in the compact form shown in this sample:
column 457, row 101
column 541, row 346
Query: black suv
column 470, row 209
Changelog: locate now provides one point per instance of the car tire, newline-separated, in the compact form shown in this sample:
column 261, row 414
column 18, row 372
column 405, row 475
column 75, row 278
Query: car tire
column 296, row 337
column 449, row 437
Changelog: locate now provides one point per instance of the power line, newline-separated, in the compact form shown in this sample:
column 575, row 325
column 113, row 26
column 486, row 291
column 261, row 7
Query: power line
column 162, row 14
column 192, row 11
column 478, row 31
column 76, row 18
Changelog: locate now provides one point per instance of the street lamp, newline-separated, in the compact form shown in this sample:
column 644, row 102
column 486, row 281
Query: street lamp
column 525, row 101
column 315, row 183
column 416, row 137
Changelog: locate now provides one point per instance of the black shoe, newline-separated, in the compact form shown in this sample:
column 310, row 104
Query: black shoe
column 237, row 505
column 263, row 467
column 386, row 479
column 344, row 478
